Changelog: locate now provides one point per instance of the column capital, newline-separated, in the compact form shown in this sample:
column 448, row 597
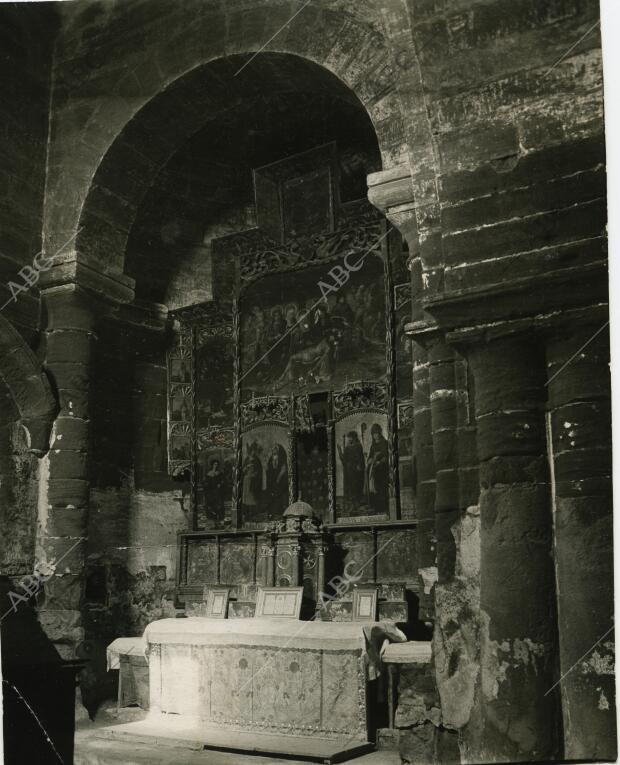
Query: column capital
column 392, row 192
column 391, row 188
column 71, row 267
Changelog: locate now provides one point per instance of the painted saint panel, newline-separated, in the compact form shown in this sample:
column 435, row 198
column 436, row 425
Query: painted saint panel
column 180, row 369
column 292, row 341
column 214, row 377
column 362, row 465
column 215, row 485
column 264, row 474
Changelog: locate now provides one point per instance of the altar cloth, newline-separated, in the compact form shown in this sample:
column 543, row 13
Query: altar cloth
column 124, row 646
column 270, row 675
column 278, row 633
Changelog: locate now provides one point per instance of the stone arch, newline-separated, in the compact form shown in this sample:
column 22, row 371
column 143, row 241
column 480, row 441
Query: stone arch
column 28, row 386
column 175, row 98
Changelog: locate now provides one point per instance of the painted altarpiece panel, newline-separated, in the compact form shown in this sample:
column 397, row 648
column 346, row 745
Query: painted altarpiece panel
column 214, row 377
column 284, row 340
column 292, row 341
column 362, row 465
column 265, row 466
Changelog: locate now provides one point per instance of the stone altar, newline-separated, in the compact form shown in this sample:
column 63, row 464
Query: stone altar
column 280, row 682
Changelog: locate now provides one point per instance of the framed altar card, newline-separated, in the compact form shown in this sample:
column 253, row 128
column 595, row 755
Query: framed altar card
column 364, row 605
column 279, row 602
column 217, row 602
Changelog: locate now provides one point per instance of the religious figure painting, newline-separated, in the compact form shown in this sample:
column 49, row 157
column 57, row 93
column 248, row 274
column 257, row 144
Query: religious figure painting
column 362, row 465
column 180, row 447
column 181, row 402
column 180, row 369
column 214, row 381
column 215, row 481
column 299, row 336
column 264, row 473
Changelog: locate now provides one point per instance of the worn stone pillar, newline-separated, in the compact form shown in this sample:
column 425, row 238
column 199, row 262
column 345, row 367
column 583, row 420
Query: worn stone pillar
column 74, row 293
column 518, row 717
column 411, row 206
column 424, row 465
column 580, row 436
column 425, row 480
column 64, row 495
column 443, row 399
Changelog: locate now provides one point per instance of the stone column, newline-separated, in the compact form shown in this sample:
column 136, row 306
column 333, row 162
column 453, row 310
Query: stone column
column 392, row 192
column 425, row 479
column 64, row 494
column 580, row 436
column 443, row 400
column 518, row 715
column 423, row 448
column 73, row 292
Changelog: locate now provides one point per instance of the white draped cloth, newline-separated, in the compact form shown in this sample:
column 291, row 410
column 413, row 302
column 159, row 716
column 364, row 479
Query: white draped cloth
column 124, row 646
column 279, row 633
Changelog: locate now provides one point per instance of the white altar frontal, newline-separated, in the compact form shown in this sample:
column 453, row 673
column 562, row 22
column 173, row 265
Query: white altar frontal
column 265, row 684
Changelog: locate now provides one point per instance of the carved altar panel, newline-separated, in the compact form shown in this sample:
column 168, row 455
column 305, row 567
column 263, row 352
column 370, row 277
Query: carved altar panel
column 237, row 562
column 202, row 562
column 356, row 550
column 397, row 561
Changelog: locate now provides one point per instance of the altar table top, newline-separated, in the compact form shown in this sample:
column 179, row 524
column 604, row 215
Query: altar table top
column 124, row 646
column 279, row 633
column 269, row 631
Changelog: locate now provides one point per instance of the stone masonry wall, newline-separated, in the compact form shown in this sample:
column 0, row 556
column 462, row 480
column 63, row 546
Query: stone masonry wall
column 489, row 121
column 26, row 37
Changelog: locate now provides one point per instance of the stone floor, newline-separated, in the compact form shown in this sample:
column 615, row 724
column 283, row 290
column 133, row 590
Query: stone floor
column 91, row 750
